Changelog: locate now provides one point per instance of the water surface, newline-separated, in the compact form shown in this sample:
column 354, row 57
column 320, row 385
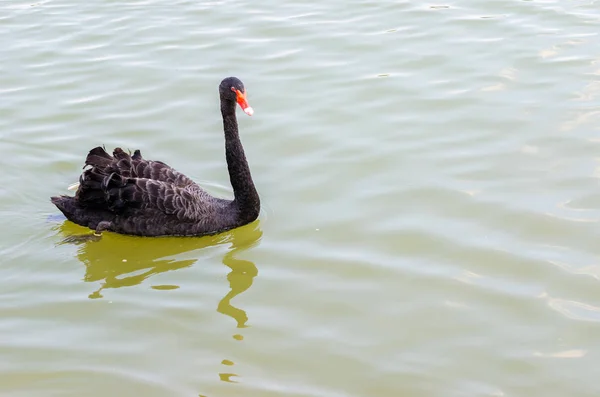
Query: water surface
column 429, row 180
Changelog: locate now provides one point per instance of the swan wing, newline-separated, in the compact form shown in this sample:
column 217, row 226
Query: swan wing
column 135, row 166
column 122, row 183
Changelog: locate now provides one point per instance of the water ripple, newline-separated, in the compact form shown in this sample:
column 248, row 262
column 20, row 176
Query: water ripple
column 428, row 175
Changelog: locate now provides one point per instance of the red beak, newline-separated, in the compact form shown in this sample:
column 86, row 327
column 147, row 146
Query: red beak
column 243, row 102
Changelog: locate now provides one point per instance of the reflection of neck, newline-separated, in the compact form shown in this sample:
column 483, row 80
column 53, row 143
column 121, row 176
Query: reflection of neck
column 240, row 279
column 246, row 196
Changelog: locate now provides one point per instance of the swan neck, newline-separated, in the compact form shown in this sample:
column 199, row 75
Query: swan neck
column 246, row 197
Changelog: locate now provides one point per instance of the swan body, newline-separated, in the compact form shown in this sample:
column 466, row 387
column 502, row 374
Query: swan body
column 128, row 194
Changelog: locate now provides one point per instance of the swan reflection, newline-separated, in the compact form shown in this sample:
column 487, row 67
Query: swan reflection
column 117, row 261
column 123, row 261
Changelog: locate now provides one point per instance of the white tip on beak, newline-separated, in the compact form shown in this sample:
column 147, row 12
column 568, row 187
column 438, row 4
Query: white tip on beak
column 249, row 111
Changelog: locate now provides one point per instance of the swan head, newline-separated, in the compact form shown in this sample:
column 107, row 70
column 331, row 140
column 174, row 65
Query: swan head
column 232, row 89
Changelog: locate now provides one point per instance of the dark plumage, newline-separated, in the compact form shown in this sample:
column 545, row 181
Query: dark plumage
column 131, row 195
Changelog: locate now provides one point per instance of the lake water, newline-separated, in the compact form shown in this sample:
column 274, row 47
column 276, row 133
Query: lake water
column 429, row 174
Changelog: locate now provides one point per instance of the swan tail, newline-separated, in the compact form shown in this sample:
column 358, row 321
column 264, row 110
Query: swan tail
column 79, row 214
column 66, row 204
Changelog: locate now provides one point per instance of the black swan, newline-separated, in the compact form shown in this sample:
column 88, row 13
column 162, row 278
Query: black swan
column 130, row 195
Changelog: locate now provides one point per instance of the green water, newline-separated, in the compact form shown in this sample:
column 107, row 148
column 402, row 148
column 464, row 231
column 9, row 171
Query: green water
column 429, row 179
